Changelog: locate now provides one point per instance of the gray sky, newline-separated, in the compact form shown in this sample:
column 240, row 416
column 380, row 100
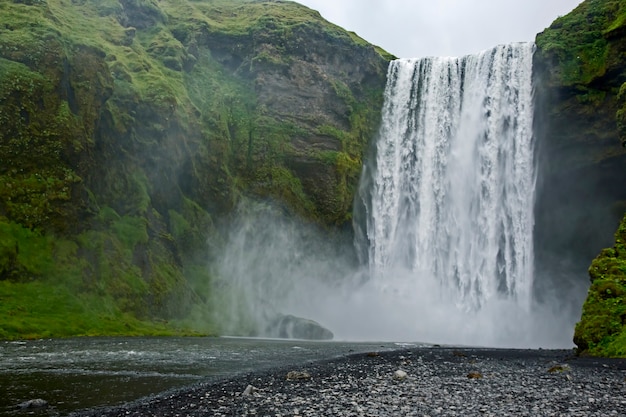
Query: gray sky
column 417, row 28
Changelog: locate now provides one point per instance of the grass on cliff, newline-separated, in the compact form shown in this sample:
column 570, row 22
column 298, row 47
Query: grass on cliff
column 579, row 39
column 39, row 309
column 585, row 47
column 44, row 291
column 602, row 328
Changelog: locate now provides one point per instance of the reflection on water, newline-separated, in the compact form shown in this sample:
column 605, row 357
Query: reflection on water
column 73, row 374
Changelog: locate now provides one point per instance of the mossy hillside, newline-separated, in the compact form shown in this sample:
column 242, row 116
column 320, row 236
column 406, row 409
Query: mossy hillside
column 602, row 328
column 54, row 88
column 273, row 50
column 56, row 287
column 132, row 124
column 585, row 51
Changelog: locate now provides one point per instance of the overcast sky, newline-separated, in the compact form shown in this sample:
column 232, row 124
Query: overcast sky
column 417, row 28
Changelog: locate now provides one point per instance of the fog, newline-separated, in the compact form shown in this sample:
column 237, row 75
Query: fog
column 444, row 222
column 272, row 263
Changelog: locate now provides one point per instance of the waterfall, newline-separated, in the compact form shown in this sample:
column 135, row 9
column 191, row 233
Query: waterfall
column 444, row 232
column 451, row 191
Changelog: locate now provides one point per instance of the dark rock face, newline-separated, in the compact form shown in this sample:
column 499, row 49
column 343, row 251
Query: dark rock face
column 316, row 91
column 579, row 74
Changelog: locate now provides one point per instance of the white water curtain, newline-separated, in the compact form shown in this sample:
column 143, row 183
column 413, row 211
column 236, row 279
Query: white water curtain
column 453, row 188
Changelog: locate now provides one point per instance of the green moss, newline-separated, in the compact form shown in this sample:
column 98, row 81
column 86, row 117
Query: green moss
column 24, row 254
column 179, row 225
column 281, row 184
column 44, row 291
column 584, row 48
column 35, row 192
column 602, row 328
column 577, row 40
column 36, row 310
column 127, row 129
column 131, row 231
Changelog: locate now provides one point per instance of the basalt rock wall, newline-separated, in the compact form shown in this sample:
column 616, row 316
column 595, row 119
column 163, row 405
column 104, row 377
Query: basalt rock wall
column 580, row 71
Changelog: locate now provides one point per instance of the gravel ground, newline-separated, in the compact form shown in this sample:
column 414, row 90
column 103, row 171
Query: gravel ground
column 417, row 382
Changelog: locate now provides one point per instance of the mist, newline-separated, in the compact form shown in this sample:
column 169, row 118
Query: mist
column 273, row 263
column 442, row 248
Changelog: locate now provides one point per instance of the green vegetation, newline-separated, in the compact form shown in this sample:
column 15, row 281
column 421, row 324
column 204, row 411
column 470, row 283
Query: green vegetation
column 130, row 126
column 602, row 329
column 585, row 52
column 34, row 310
column 579, row 42
column 46, row 292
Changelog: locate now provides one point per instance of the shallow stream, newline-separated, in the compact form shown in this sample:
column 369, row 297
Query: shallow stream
column 74, row 374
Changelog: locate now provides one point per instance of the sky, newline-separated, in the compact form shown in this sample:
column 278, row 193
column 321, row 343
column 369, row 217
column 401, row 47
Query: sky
column 418, row 28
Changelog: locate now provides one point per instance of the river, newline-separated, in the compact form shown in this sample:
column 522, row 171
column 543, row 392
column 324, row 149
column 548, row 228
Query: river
column 79, row 373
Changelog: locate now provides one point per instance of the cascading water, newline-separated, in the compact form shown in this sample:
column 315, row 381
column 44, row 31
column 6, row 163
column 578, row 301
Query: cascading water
column 444, row 231
column 451, row 194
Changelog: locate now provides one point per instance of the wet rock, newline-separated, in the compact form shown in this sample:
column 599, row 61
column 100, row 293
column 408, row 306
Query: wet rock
column 249, row 390
column 292, row 327
column 36, row 403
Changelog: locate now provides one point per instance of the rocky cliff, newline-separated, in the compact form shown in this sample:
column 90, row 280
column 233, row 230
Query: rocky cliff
column 580, row 70
column 130, row 127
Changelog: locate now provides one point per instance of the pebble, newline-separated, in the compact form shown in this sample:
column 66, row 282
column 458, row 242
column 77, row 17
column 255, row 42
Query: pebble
column 400, row 375
column 512, row 383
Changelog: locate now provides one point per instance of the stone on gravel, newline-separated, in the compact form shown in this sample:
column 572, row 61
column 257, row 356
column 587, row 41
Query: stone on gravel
column 249, row 390
column 297, row 375
column 400, row 375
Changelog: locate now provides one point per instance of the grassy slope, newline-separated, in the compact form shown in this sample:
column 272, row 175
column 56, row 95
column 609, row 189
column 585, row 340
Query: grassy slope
column 585, row 48
column 93, row 239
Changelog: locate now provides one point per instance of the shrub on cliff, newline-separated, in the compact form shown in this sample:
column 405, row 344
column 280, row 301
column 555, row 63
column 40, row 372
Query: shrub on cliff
column 602, row 328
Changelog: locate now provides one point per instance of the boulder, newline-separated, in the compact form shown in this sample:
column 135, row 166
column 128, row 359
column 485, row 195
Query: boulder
column 287, row 326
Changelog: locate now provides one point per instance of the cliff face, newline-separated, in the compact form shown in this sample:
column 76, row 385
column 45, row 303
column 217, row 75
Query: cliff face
column 580, row 69
column 130, row 126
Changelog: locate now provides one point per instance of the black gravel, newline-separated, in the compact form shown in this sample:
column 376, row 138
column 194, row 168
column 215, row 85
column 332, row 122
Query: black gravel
column 439, row 382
